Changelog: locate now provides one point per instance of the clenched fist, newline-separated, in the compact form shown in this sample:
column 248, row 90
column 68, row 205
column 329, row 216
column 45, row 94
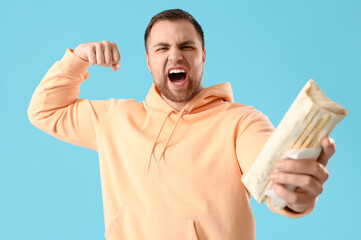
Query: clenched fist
column 102, row 53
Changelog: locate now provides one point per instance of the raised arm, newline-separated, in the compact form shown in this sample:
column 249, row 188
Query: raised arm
column 55, row 107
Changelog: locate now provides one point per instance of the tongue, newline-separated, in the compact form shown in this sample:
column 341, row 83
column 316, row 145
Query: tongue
column 177, row 77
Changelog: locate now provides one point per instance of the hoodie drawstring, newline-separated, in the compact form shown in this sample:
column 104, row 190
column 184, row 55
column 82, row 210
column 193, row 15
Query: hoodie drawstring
column 166, row 144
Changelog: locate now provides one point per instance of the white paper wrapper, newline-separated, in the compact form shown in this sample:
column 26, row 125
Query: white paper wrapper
column 311, row 117
column 309, row 154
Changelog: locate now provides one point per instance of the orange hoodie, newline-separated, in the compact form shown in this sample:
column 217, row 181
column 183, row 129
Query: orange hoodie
column 164, row 174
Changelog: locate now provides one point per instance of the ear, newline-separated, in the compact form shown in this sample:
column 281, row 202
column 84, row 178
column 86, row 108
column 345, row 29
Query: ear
column 204, row 55
column 148, row 64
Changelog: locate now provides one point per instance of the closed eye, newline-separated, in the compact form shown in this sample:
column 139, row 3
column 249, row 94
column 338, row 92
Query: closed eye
column 187, row 47
column 161, row 49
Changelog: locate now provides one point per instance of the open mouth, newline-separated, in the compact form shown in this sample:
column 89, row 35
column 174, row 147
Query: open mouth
column 177, row 76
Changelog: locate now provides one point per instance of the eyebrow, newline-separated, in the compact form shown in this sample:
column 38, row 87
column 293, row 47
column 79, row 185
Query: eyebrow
column 186, row 43
column 164, row 44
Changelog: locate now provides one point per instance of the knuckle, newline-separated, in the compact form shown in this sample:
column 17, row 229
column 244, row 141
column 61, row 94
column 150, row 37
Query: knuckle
column 327, row 175
column 332, row 149
column 88, row 47
column 280, row 177
column 106, row 44
column 113, row 45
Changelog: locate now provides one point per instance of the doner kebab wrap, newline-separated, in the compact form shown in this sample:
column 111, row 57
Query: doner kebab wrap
column 311, row 117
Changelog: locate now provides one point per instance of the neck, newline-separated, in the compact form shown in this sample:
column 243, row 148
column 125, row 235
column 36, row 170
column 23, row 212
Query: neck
column 176, row 105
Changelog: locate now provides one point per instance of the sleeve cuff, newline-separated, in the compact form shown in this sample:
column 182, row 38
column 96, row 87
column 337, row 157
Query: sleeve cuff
column 71, row 63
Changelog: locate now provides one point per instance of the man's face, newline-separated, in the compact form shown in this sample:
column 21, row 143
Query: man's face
column 176, row 59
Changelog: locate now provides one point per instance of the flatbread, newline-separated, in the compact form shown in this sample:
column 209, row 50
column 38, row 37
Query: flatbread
column 311, row 117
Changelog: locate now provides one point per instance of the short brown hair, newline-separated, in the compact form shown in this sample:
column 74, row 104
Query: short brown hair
column 173, row 14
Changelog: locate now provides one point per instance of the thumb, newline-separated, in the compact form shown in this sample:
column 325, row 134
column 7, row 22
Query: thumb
column 116, row 67
column 328, row 149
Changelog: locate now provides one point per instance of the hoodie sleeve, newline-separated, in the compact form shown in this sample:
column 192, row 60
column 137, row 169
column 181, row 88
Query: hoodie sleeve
column 55, row 108
column 253, row 133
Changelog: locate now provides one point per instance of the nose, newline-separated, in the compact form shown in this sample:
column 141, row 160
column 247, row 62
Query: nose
column 175, row 55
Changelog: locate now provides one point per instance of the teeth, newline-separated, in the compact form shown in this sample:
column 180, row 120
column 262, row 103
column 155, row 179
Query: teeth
column 177, row 71
column 177, row 83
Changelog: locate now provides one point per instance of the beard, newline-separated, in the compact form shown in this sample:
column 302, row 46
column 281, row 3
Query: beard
column 182, row 95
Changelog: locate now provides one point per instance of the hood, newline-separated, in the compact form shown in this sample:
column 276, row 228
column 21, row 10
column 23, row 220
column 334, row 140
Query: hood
column 206, row 99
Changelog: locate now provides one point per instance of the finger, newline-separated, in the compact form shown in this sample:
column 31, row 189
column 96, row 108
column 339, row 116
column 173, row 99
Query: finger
column 92, row 56
column 306, row 182
column 99, row 53
column 297, row 200
column 303, row 166
column 108, row 54
column 328, row 149
column 115, row 51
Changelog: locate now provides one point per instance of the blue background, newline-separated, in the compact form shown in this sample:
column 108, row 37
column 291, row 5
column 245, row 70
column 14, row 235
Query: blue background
column 266, row 49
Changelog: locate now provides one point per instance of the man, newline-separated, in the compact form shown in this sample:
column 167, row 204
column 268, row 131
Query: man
column 171, row 166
